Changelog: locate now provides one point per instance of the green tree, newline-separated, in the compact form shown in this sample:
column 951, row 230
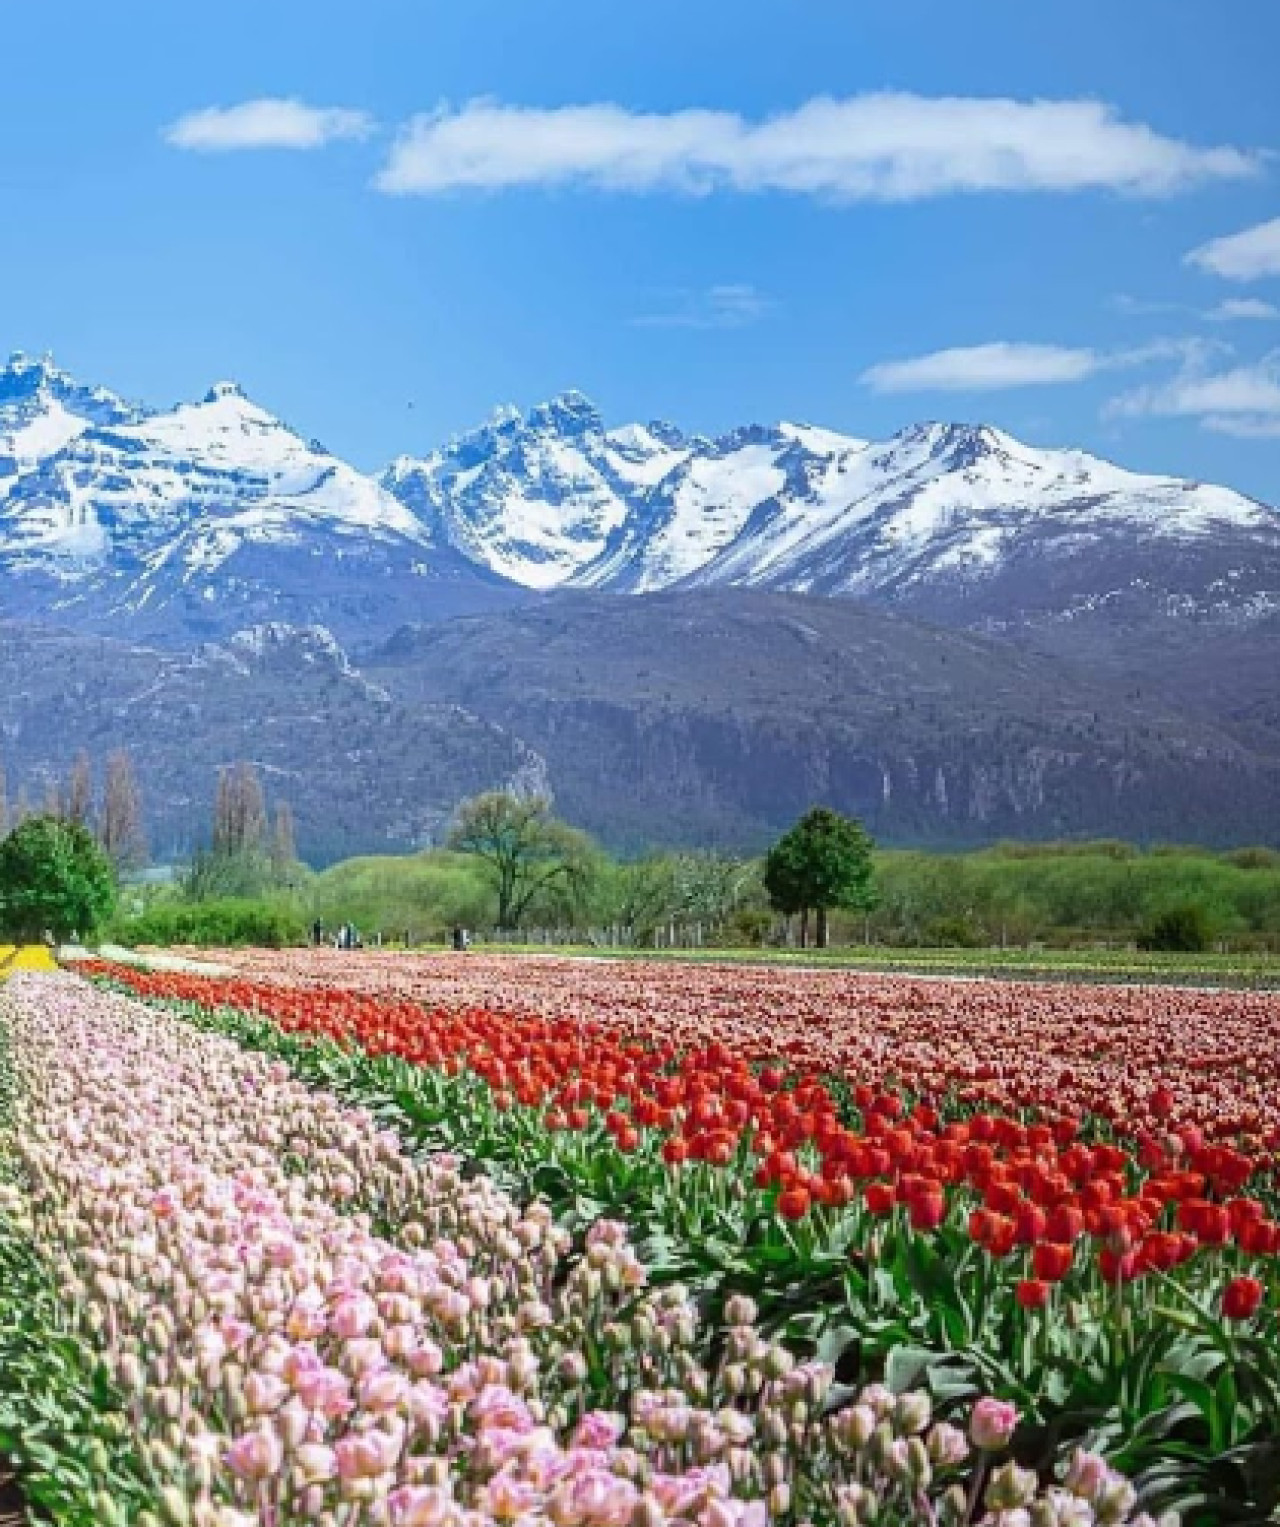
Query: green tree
column 1187, row 928
column 823, row 862
column 53, row 878
column 530, row 855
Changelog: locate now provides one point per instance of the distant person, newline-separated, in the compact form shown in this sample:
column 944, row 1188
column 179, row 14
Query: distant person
column 459, row 940
column 317, row 933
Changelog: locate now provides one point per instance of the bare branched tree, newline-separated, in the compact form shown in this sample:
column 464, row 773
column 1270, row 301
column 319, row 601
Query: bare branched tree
column 79, row 796
column 120, row 829
column 240, row 812
column 284, row 847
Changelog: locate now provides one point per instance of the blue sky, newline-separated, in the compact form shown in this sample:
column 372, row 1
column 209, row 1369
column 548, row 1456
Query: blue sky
column 1063, row 217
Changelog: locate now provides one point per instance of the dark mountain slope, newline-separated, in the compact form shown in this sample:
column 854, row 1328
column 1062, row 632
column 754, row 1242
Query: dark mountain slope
column 721, row 714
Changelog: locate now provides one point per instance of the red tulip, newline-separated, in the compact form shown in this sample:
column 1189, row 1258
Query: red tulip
column 793, row 1204
column 1241, row 1298
column 1032, row 1294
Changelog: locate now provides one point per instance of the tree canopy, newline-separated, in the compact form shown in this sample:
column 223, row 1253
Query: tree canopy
column 53, row 878
column 529, row 854
column 824, row 861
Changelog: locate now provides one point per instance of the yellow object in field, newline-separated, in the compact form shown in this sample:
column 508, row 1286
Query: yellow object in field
column 25, row 957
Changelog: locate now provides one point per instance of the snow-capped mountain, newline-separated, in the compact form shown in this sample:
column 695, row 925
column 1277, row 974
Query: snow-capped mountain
column 42, row 409
column 949, row 519
column 200, row 519
column 191, row 522
column 537, row 499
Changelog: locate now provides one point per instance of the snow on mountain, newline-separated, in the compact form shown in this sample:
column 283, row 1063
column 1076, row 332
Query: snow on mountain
column 210, row 515
column 199, row 482
column 42, row 409
column 537, row 499
column 934, row 514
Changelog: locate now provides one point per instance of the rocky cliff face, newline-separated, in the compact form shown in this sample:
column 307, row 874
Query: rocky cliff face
column 721, row 716
column 363, row 770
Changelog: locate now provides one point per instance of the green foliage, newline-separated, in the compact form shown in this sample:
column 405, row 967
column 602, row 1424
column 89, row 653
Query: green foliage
column 1183, row 929
column 238, row 874
column 530, row 856
column 54, row 878
column 954, row 932
column 422, row 894
column 823, row 862
column 218, row 924
column 1071, row 894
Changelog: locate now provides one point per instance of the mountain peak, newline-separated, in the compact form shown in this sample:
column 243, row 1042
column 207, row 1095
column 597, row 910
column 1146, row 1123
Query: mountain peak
column 666, row 433
column 221, row 390
column 569, row 413
column 27, row 374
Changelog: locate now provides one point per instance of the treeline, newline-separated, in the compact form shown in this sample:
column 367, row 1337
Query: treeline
column 1079, row 893
column 112, row 813
column 557, row 885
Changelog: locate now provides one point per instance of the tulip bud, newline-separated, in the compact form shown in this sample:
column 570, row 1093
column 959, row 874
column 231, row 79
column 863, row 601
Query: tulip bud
column 1011, row 1487
column 107, row 1512
column 777, row 1362
column 1116, row 1502
column 881, row 1448
column 733, row 1380
column 851, row 1505
column 773, row 1468
column 912, row 1413
column 740, row 1310
column 918, row 1468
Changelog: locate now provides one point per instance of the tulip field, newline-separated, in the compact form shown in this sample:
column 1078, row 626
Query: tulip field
column 366, row 1238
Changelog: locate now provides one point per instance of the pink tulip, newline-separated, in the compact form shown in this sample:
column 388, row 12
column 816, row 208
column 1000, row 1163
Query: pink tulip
column 366, row 1455
column 256, row 1455
column 352, row 1316
column 992, row 1424
column 419, row 1506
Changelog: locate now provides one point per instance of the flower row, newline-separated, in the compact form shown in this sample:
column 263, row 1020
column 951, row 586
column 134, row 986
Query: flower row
column 303, row 1323
column 1048, row 1193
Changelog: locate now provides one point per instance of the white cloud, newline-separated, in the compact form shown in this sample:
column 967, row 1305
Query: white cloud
column 984, row 368
column 1242, row 256
column 887, row 147
column 732, row 305
column 1242, row 400
column 1244, row 427
column 268, row 123
column 1243, row 309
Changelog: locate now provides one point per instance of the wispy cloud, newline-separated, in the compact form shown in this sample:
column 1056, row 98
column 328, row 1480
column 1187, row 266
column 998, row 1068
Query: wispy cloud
column 733, row 305
column 1231, row 310
column 885, row 147
column 267, row 123
column 1244, row 426
column 1244, row 310
column 1238, row 400
column 1245, row 256
column 1004, row 365
column 1143, row 307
